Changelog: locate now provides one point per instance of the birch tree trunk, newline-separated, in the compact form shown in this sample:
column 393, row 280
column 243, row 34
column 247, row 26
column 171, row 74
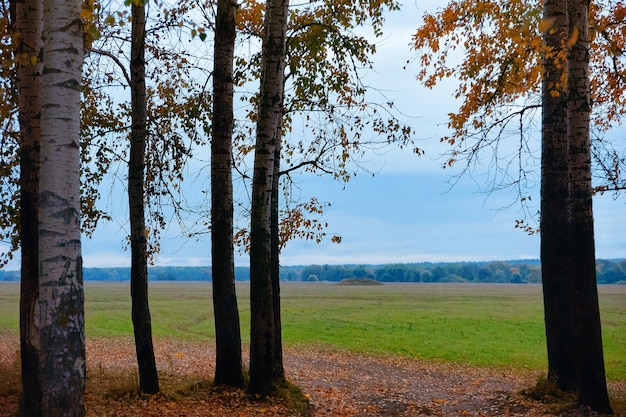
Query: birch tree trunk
column 142, row 323
column 590, row 358
column 262, row 342
column 28, row 27
column 555, row 267
column 279, row 369
column 59, row 313
column 228, row 363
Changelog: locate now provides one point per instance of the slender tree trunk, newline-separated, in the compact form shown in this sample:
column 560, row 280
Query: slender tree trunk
column 228, row 363
column 279, row 369
column 142, row 323
column 555, row 268
column 59, row 313
column 590, row 358
column 262, row 333
column 28, row 26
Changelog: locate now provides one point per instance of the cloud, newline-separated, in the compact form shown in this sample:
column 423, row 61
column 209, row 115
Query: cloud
column 413, row 217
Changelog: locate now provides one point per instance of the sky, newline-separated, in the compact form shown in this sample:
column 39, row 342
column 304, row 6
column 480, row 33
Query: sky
column 408, row 211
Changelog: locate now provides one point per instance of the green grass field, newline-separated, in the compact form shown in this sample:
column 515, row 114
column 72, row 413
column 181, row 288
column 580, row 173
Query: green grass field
column 481, row 324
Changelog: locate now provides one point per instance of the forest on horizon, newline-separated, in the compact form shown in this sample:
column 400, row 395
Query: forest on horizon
column 527, row 271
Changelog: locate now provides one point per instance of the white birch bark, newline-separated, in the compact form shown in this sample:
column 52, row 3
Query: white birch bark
column 60, row 309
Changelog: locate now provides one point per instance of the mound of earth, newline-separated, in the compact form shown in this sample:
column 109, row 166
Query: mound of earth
column 359, row 281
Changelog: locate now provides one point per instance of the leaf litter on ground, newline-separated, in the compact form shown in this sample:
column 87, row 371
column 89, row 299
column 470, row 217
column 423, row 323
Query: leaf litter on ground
column 335, row 383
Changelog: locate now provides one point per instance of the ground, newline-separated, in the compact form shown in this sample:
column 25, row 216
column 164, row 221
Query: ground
column 335, row 383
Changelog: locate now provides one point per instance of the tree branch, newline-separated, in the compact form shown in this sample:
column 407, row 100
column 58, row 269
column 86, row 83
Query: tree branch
column 116, row 60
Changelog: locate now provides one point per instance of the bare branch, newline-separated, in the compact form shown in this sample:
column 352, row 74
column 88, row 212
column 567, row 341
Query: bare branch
column 116, row 60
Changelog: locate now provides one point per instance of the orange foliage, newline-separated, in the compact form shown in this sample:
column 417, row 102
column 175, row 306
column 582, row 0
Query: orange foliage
column 608, row 37
column 250, row 17
column 495, row 50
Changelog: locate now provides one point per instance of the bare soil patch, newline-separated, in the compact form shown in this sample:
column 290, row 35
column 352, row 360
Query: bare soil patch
column 335, row 383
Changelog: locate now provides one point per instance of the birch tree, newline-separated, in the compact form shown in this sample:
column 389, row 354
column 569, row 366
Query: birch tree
column 325, row 60
column 228, row 363
column 27, row 34
column 501, row 73
column 142, row 323
column 59, row 312
column 269, row 131
column 591, row 375
column 558, row 295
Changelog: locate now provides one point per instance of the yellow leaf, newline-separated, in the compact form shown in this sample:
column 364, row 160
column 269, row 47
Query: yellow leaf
column 86, row 14
column 33, row 60
column 546, row 24
column 573, row 38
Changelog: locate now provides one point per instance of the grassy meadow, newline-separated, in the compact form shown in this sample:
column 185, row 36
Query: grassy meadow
column 480, row 324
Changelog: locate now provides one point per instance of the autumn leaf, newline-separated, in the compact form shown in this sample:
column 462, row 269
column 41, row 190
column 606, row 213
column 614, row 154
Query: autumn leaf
column 109, row 20
column 546, row 24
column 86, row 14
column 573, row 37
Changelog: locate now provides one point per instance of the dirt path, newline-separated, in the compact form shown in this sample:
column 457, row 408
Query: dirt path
column 348, row 384
column 336, row 384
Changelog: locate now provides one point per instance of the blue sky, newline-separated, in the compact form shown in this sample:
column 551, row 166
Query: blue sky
column 395, row 216
column 407, row 212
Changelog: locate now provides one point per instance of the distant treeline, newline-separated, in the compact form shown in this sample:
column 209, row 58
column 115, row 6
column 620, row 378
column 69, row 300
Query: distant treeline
column 516, row 272
column 524, row 271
